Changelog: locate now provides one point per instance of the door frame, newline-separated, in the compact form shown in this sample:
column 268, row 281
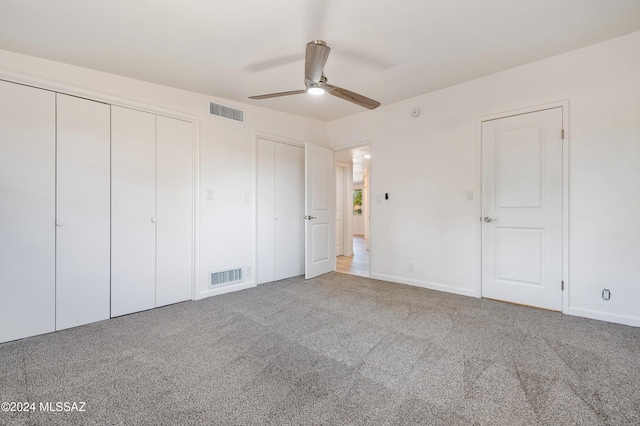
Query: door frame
column 564, row 105
column 258, row 134
column 369, row 206
column 347, row 227
column 67, row 89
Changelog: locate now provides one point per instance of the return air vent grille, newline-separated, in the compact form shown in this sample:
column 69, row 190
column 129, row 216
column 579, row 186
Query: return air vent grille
column 224, row 111
column 225, row 277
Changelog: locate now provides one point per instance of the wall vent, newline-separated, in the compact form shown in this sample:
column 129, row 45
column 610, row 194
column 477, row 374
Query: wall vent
column 227, row 112
column 230, row 276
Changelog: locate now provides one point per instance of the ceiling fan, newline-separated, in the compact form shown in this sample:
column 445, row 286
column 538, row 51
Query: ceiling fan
column 315, row 58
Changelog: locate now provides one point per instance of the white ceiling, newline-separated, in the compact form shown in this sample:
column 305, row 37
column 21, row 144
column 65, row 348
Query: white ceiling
column 388, row 50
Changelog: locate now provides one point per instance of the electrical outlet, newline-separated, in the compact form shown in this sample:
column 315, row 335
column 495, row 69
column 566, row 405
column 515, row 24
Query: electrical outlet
column 249, row 270
column 410, row 267
column 606, row 294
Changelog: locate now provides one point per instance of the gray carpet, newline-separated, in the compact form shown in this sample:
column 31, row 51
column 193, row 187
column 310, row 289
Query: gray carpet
column 338, row 349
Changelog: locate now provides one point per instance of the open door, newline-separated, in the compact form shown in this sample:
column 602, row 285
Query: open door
column 319, row 216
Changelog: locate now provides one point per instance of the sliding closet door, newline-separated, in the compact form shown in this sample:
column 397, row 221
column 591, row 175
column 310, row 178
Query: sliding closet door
column 27, row 211
column 174, row 171
column 133, row 211
column 82, row 211
column 266, row 211
column 289, row 210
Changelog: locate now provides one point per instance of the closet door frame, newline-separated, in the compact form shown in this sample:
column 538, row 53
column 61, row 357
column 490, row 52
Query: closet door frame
column 275, row 139
column 199, row 285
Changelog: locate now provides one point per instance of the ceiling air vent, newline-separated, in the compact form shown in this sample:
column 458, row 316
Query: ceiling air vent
column 230, row 276
column 224, row 111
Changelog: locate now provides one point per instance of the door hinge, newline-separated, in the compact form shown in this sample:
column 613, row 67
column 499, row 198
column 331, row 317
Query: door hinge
column 562, row 134
column 562, row 285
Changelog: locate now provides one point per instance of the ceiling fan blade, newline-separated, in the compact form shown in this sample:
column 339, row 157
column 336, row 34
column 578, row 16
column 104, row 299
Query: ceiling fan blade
column 276, row 95
column 350, row 96
column 315, row 58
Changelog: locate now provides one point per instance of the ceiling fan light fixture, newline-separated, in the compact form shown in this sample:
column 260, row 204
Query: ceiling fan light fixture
column 315, row 81
column 315, row 90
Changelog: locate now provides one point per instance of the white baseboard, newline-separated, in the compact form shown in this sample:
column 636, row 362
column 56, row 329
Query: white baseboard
column 424, row 284
column 604, row 316
column 224, row 289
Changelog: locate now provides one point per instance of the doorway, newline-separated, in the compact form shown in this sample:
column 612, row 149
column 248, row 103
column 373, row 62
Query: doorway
column 522, row 208
column 352, row 210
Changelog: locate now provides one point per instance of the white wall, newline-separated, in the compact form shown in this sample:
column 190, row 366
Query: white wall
column 227, row 151
column 427, row 163
column 358, row 221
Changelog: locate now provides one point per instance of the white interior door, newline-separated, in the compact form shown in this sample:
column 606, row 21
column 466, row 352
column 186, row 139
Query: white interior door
column 27, row 211
column 522, row 209
column 340, row 211
column 82, row 211
column 174, row 201
column 320, row 210
column 133, row 211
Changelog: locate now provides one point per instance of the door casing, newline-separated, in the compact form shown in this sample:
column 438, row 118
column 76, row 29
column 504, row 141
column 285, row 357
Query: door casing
column 564, row 104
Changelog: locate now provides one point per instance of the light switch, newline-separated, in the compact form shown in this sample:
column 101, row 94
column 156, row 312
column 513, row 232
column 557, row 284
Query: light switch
column 245, row 197
column 469, row 195
column 379, row 199
column 209, row 194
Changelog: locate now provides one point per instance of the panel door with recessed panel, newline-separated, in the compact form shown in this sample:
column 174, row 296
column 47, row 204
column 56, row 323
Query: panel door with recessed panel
column 320, row 211
column 522, row 209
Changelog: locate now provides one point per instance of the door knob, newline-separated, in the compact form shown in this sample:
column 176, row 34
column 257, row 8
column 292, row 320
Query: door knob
column 59, row 223
column 490, row 219
column 309, row 217
column 154, row 219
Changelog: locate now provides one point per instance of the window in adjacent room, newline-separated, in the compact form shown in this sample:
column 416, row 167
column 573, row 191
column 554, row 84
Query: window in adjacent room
column 357, row 202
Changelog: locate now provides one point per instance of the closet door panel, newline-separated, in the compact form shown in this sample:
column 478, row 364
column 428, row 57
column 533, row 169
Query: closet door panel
column 82, row 211
column 174, row 180
column 289, row 230
column 297, row 213
column 27, row 211
column 266, row 214
column 133, row 229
